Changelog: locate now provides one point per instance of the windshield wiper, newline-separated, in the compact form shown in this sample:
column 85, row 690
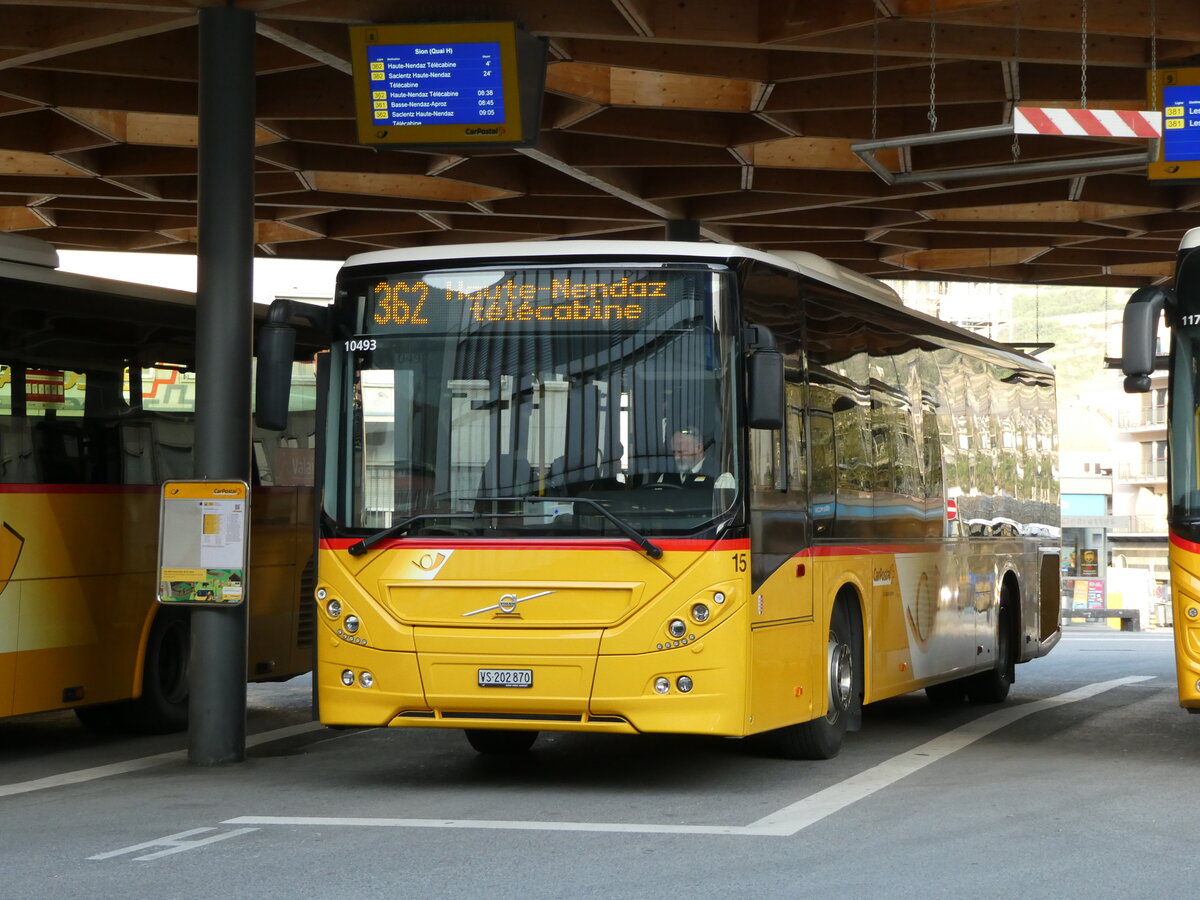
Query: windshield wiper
column 358, row 548
column 652, row 550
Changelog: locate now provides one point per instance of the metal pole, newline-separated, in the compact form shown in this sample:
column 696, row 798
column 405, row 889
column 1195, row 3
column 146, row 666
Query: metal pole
column 224, row 316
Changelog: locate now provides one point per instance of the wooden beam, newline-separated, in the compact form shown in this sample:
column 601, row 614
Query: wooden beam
column 415, row 186
column 812, row 153
column 1057, row 211
column 50, row 32
column 979, row 258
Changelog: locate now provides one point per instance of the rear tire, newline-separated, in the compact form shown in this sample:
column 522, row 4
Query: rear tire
column 822, row 738
column 500, row 743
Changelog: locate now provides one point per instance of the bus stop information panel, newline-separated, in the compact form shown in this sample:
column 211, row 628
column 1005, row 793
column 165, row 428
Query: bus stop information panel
column 203, row 543
column 452, row 84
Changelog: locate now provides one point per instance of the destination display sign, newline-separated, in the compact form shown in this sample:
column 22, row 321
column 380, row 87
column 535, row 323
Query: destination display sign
column 447, row 84
column 541, row 300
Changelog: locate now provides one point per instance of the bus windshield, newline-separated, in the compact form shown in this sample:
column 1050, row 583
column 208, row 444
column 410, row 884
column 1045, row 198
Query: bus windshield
column 479, row 402
column 1184, row 396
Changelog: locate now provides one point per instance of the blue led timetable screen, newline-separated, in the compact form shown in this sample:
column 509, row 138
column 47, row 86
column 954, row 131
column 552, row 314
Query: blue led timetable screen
column 436, row 84
column 447, row 85
column 1181, row 123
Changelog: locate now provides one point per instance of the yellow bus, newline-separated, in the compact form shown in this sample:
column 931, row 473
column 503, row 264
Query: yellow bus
column 1143, row 313
column 634, row 487
column 96, row 410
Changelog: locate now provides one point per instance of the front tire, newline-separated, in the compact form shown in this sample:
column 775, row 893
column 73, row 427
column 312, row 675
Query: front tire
column 822, row 738
column 993, row 685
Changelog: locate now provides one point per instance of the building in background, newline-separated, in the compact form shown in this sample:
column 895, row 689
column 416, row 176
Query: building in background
column 1138, row 541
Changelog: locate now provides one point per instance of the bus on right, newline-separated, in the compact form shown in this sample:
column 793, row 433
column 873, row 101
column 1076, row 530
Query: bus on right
column 1181, row 307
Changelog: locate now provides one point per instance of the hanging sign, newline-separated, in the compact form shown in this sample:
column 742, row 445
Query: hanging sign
column 456, row 84
column 1177, row 93
column 203, row 543
column 1125, row 123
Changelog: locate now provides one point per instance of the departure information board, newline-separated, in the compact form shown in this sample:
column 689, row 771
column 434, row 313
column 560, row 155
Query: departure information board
column 436, row 84
column 1181, row 123
column 447, row 85
column 1177, row 93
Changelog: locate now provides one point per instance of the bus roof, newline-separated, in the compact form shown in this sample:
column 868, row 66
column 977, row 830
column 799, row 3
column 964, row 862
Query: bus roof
column 808, row 264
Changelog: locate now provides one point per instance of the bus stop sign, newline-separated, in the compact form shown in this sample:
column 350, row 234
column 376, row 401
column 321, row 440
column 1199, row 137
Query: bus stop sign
column 203, row 543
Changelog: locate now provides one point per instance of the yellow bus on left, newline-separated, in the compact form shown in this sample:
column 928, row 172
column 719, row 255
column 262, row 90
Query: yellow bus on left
column 97, row 401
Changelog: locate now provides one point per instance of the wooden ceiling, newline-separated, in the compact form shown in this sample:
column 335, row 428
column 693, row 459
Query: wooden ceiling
column 738, row 114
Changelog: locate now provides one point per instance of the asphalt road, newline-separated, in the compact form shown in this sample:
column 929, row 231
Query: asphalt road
column 1082, row 785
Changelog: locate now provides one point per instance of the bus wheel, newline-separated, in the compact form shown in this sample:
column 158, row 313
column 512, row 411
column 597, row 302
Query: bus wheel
column 500, row 743
column 163, row 706
column 992, row 686
column 822, row 738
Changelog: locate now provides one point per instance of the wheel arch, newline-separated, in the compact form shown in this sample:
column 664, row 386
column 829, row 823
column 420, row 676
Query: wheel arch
column 1010, row 597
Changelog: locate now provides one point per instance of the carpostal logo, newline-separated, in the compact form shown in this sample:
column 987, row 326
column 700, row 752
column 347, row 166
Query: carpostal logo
column 232, row 492
column 486, row 132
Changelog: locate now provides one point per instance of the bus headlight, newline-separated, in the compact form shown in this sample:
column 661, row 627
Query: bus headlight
column 334, row 608
column 684, row 683
column 366, row 679
column 662, row 685
column 347, row 677
column 677, row 628
column 700, row 613
column 351, row 624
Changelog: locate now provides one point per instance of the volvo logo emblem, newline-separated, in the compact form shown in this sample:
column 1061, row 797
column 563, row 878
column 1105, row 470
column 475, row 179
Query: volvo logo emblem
column 507, row 605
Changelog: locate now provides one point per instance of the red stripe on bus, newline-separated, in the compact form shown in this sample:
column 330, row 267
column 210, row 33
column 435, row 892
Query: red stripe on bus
column 873, row 549
column 547, row 544
column 118, row 488
column 1184, row 544
column 79, row 488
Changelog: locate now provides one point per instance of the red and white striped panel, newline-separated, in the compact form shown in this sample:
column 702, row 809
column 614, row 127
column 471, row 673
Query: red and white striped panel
column 1126, row 123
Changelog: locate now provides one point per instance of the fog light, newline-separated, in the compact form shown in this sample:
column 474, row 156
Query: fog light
column 700, row 613
column 719, row 597
column 1193, row 612
column 322, row 593
column 684, row 683
column 662, row 685
column 351, row 624
column 347, row 677
column 366, row 679
column 334, row 608
column 677, row 628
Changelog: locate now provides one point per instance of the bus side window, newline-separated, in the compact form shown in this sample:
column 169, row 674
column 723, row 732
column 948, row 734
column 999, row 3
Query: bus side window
column 823, row 501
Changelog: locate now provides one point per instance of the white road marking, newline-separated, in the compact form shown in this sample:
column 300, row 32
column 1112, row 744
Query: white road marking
column 784, row 823
column 811, row 809
column 144, row 762
column 174, row 843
